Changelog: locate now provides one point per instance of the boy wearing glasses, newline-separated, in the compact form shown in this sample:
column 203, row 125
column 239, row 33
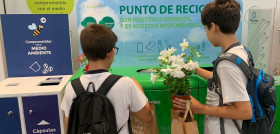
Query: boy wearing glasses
column 98, row 44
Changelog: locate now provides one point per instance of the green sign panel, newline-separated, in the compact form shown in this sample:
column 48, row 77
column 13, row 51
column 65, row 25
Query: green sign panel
column 50, row 6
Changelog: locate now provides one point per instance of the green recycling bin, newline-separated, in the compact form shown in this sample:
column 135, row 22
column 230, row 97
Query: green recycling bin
column 276, row 129
column 159, row 95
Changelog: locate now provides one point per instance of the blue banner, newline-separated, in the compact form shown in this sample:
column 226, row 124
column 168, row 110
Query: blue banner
column 37, row 45
column 146, row 27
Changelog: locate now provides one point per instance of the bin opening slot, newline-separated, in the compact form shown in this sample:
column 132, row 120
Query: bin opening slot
column 12, row 84
column 208, row 68
column 149, row 70
column 49, row 83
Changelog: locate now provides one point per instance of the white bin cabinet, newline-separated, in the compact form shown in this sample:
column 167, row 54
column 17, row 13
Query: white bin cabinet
column 27, row 108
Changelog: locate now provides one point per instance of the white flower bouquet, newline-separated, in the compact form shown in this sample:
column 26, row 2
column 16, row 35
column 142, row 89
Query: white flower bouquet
column 176, row 69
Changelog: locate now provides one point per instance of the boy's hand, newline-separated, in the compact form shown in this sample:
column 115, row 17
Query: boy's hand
column 180, row 104
column 196, row 106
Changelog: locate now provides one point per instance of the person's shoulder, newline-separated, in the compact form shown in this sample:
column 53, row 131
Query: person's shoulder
column 69, row 93
column 125, row 80
column 127, row 83
column 226, row 64
column 240, row 52
column 229, row 65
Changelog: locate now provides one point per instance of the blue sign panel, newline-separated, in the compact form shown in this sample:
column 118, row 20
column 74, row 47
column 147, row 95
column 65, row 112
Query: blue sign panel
column 37, row 45
column 41, row 114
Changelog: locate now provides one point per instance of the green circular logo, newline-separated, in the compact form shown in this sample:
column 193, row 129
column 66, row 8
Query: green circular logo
column 88, row 20
column 107, row 21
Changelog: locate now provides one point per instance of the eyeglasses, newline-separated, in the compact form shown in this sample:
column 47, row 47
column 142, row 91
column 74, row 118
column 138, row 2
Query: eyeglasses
column 116, row 50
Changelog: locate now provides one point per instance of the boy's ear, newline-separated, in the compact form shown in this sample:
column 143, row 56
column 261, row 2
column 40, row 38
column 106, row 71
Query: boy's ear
column 109, row 54
column 215, row 27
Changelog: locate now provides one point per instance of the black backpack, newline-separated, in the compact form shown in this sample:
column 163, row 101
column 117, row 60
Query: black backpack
column 261, row 91
column 92, row 112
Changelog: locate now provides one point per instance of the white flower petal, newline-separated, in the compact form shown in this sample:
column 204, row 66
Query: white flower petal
column 153, row 78
column 191, row 65
column 184, row 45
column 168, row 71
column 177, row 73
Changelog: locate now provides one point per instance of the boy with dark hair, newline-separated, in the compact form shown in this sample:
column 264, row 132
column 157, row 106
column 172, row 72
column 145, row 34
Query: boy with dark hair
column 97, row 41
column 221, row 20
column 98, row 44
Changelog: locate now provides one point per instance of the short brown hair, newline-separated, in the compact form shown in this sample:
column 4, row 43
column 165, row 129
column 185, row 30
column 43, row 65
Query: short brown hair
column 224, row 13
column 97, row 40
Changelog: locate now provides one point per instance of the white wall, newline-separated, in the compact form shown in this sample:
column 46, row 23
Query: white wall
column 254, row 4
column 3, row 71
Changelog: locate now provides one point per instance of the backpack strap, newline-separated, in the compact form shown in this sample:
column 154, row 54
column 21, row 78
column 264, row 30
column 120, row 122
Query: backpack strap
column 77, row 86
column 237, row 126
column 120, row 129
column 250, row 56
column 129, row 126
column 246, row 69
column 108, row 84
column 222, row 122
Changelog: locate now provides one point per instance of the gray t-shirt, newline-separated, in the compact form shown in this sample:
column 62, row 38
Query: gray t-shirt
column 233, row 84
